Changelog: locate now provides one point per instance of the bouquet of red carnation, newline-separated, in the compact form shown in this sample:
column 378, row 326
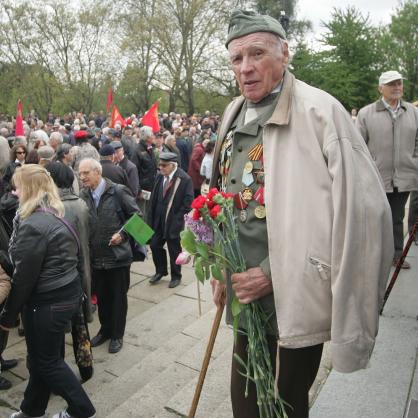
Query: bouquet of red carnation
column 211, row 236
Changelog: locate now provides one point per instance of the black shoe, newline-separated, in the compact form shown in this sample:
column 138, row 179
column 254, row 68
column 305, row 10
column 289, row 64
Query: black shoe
column 8, row 364
column 156, row 278
column 99, row 339
column 115, row 345
column 21, row 332
column 4, row 383
column 174, row 283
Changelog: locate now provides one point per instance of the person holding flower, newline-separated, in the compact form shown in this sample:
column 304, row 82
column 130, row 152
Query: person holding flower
column 312, row 221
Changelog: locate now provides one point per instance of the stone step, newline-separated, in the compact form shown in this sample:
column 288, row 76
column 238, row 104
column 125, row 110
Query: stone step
column 171, row 352
column 174, row 313
column 215, row 389
column 151, row 399
column 224, row 409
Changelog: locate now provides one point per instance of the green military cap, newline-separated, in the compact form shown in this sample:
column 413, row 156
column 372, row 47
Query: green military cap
column 244, row 22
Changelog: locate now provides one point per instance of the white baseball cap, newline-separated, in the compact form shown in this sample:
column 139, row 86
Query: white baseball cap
column 389, row 76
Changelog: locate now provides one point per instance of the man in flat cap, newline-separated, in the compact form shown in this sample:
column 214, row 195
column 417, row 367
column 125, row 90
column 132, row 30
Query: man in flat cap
column 110, row 170
column 171, row 198
column 127, row 165
column 389, row 126
column 312, row 215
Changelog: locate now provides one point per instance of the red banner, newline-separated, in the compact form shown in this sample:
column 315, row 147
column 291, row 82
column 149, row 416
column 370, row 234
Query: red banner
column 151, row 118
column 19, row 120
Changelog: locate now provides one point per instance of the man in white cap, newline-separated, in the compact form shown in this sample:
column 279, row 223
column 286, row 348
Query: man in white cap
column 389, row 127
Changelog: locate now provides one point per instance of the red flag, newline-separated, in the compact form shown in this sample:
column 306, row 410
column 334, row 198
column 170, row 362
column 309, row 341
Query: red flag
column 109, row 99
column 19, row 120
column 116, row 118
column 151, row 118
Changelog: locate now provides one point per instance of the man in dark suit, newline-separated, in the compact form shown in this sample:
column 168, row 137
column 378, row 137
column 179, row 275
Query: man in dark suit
column 171, row 198
column 110, row 170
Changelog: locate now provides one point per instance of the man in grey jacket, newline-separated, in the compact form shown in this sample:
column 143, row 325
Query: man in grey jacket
column 389, row 126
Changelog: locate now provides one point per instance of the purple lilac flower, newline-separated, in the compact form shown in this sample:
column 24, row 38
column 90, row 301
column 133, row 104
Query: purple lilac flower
column 200, row 229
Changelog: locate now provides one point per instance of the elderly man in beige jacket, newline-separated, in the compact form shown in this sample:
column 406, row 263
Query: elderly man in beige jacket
column 390, row 128
column 313, row 218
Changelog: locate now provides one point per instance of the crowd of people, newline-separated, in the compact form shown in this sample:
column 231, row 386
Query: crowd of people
column 319, row 198
column 74, row 182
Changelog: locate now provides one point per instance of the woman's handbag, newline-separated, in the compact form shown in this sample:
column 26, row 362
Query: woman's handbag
column 81, row 345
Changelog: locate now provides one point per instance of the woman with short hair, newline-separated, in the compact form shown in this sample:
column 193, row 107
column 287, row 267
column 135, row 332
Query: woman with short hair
column 46, row 287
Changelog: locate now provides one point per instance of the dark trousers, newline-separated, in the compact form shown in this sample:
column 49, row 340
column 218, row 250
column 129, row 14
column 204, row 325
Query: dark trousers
column 159, row 254
column 44, row 333
column 397, row 201
column 413, row 210
column 112, row 287
column 298, row 369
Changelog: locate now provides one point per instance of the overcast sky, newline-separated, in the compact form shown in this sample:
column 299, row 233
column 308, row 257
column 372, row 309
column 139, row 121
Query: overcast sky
column 378, row 10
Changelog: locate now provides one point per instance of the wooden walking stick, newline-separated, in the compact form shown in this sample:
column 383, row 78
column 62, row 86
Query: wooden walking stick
column 206, row 360
column 399, row 265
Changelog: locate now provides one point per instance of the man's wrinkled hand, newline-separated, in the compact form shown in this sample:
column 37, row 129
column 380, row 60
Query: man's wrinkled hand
column 251, row 285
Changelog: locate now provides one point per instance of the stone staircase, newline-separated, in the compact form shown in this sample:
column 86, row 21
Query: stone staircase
column 155, row 373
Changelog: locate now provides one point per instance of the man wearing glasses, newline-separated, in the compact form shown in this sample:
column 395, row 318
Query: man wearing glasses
column 171, row 198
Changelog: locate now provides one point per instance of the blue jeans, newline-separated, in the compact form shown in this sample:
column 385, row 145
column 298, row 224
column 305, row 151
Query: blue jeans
column 44, row 333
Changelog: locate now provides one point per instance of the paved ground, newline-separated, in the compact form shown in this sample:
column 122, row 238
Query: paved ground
column 156, row 372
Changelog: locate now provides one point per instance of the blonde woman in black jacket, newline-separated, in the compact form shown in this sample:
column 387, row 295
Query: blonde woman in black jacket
column 46, row 287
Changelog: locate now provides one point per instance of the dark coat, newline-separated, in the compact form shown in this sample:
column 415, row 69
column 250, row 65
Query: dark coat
column 129, row 148
column 114, row 173
column 147, row 166
column 77, row 214
column 104, row 222
column 8, row 173
column 132, row 173
column 168, row 212
column 45, row 258
column 185, row 148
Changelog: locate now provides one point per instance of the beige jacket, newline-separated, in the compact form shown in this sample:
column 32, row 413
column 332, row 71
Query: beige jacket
column 329, row 223
column 393, row 145
column 5, row 285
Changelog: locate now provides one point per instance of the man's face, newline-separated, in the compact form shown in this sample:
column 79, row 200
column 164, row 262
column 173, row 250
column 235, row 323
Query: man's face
column 119, row 154
column 166, row 168
column 258, row 64
column 392, row 91
column 159, row 140
column 89, row 177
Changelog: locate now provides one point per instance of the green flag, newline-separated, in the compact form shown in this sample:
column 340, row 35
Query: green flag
column 138, row 229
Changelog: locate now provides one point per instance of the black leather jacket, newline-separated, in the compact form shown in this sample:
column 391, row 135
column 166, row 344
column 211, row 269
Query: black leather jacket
column 104, row 222
column 45, row 258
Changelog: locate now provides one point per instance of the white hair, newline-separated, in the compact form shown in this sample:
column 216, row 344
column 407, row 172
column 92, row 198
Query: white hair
column 56, row 136
column 145, row 132
column 93, row 164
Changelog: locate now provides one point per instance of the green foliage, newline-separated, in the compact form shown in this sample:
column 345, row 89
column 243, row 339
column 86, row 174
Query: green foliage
column 217, row 272
column 188, row 241
column 399, row 45
column 60, row 61
column 346, row 68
